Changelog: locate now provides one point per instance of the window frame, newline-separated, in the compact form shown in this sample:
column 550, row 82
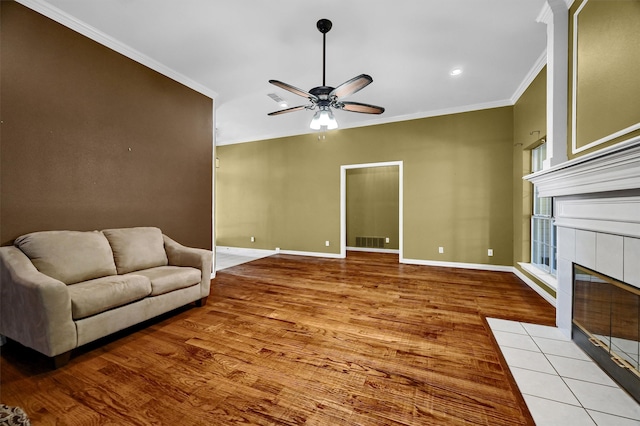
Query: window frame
column 543, row 230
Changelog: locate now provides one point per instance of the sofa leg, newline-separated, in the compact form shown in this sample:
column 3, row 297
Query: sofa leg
column 201, row 302
column 61, row 360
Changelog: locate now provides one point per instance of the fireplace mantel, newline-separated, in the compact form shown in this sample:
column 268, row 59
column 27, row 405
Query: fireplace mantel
column 597, row 213
column 598, row 192
column 611, row 169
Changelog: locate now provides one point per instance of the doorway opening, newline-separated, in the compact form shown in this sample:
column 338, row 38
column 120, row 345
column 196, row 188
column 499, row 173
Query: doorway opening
column 343, row 206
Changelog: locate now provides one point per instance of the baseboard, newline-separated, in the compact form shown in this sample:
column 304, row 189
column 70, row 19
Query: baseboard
column 481, row 266
column 242, row 251
column 528, row 281
column 374, row 250
column 498, row 268
column 311, row 253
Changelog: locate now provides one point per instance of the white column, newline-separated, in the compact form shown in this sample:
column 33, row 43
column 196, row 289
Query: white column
column 555, row 14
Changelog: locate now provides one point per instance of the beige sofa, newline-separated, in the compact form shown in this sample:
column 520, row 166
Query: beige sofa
column 62, row 289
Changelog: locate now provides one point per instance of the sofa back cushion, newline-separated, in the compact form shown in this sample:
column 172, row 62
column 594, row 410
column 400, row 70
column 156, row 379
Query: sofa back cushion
column 135, row 249
column 69, row 256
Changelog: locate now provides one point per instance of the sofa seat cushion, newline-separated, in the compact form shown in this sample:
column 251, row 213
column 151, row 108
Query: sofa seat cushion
column 99, row 295
column 169, row 278
column 137, row 248
column 69, row 256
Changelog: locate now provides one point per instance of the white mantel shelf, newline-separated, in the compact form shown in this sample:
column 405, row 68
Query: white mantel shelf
column 615, row 168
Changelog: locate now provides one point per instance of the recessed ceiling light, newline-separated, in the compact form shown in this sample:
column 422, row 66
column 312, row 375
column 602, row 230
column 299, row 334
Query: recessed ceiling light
column 456, row 71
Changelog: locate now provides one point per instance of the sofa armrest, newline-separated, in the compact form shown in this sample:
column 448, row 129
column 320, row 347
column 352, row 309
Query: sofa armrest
column 35, row 309
column 202, row 259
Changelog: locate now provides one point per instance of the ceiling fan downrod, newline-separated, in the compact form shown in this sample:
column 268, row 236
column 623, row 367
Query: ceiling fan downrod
column 324, row 26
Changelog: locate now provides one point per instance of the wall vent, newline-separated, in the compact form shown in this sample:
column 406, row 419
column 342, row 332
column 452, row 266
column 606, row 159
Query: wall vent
column 275, row 97
column 370, row 242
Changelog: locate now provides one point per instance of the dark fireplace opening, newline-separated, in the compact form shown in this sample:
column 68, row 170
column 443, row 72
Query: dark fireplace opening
column 606, row 325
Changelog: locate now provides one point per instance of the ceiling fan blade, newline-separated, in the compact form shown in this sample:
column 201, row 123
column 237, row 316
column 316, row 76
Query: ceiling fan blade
column 351, row 86
column 359, row 107
column 292, row 89
column 282, row 111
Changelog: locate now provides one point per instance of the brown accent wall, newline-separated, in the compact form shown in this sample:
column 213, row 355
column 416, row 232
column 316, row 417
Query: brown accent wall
column 93, row 140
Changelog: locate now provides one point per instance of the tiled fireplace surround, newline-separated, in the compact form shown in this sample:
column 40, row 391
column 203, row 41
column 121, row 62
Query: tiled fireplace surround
column 597, row 212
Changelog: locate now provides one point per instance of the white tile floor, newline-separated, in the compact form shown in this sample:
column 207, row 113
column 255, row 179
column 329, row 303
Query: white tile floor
column 561, row 385
column 227, row 258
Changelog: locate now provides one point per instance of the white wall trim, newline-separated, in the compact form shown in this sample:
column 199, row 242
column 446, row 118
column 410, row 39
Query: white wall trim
column 546, row 278
column 213, row 264
column 574, row 98
column 373, row 250
column 609, row 215
column 311, row 254
column 533, row 73
column 242, row 251
column 480, row 266
column 546, row 296
column 98, row 36
column 385, row 120
column 496, row 268
column 610, row 169
column 343, row 202
column 251, row 252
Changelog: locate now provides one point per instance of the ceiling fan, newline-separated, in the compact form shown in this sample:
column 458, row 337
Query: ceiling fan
column 326, row 97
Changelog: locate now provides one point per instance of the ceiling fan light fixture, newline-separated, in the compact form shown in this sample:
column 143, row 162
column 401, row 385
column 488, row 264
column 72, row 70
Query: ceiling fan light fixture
column 326, row 97
column 323, row 119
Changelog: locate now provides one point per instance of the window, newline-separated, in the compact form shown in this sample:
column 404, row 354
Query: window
column 543, row 231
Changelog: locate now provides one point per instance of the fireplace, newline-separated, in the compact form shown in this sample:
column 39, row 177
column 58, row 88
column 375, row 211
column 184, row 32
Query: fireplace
column 597, row 215
column 606, row 325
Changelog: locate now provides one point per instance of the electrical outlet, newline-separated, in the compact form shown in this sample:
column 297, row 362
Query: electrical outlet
column 490, row 252
column 277, row 249
column 440, row 250
column 326, row 243
column 386, row 240
column 253, row 239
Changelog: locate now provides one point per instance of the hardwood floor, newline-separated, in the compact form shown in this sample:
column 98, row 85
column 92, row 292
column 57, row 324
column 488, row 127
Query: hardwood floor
column 290, row 340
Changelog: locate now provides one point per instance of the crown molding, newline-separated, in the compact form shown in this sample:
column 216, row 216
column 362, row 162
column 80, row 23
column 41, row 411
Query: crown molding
column 374, row 122
column 51, row 12
column 533, row 73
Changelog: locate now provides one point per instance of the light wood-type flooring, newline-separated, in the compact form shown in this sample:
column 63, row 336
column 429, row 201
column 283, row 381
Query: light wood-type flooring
column 289, row 340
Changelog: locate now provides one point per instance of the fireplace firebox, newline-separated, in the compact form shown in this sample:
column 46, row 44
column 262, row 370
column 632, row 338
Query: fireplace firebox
column 606, row 325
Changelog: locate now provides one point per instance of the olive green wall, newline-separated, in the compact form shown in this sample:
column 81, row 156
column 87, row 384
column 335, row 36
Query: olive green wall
column 608, row 59
column 458, row 187
column 529, row 127
column 373, row 204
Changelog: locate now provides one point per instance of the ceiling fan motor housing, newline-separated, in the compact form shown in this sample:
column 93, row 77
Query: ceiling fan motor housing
column 324, row 26
column 322, row 93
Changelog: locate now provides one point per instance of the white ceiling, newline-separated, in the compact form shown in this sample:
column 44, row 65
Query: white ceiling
column 409, row 47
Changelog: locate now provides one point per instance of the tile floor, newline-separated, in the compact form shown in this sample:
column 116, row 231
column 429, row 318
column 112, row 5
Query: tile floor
column 561, row 385
column 227, row 259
